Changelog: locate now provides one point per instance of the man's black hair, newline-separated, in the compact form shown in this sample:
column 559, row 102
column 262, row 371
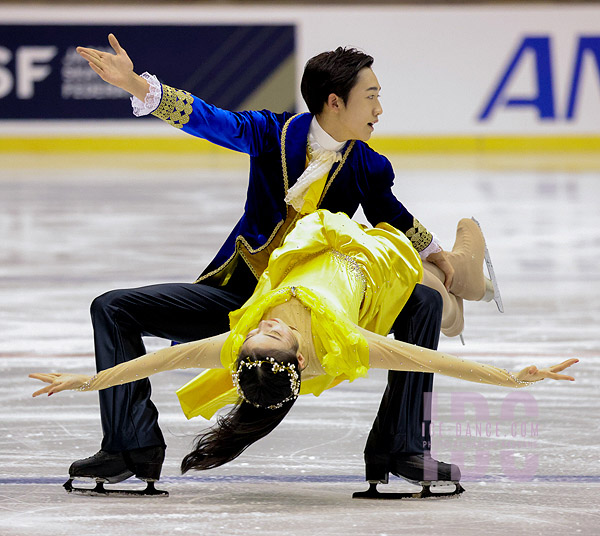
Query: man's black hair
column 331, row 72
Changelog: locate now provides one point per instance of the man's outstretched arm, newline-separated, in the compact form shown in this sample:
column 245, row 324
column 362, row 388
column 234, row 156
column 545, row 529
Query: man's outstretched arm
column 247, row 132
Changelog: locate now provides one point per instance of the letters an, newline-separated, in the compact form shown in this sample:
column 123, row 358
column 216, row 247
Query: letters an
column 543, row 100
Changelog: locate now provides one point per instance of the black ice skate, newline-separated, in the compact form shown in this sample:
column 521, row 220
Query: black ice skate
column 437, row 479
column 111, row 468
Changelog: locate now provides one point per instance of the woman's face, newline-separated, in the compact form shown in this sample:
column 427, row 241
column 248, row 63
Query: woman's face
column 273, row 333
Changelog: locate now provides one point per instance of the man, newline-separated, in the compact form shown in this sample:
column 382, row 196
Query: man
column 297, row 164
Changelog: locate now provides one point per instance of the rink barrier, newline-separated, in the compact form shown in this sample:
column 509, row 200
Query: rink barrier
column 383, row 144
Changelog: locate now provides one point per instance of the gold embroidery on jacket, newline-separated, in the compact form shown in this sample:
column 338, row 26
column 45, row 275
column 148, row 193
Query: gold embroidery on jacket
column 419, row 236
column 175, row 106
column 259, row 260
column 283, row 156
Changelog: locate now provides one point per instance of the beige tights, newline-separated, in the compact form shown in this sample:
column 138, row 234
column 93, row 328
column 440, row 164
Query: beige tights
column 452, row 314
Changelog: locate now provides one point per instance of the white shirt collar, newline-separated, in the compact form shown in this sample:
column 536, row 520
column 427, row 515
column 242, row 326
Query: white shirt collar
column 324, row 140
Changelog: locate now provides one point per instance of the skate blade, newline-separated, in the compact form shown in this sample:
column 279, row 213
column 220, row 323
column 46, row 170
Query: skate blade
column 425, row 493
column 101, row 491
column 491, row 273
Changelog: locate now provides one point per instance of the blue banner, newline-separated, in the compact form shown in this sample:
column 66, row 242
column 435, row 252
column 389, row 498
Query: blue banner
column 231, row 66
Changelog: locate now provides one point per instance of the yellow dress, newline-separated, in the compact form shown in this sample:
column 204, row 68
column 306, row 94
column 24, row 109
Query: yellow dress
column 346, row 275
column 342, row 285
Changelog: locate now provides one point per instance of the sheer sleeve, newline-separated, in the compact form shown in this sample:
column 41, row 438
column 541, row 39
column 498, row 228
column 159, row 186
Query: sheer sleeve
column 205, row 353
column 389, row 354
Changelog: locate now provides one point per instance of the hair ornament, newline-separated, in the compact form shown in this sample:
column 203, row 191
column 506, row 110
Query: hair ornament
column 276, row 367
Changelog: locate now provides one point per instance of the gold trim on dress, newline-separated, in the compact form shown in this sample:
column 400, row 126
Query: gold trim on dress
column 175, row 106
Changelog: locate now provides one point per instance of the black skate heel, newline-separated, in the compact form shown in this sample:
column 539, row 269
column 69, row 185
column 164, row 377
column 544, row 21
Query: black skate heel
column 145, row 463
column 377, row 473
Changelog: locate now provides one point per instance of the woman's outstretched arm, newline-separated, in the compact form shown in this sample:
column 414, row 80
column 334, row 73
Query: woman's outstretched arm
column 391, row 354
column 198, row 354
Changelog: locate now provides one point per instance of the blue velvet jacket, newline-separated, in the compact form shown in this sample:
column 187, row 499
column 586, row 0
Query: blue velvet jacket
column 277, row 144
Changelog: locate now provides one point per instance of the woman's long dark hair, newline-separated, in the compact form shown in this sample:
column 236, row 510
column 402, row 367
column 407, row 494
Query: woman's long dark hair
column 246, row 423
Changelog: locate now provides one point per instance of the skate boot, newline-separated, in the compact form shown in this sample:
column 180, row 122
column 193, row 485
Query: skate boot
column 145, row 463
column 467, row 257
column 110, row 468
column 422, row 467
column 419, row 469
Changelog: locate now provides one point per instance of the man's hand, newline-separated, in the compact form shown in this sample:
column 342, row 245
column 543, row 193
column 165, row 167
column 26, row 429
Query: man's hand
column 442, row 262
column 116, row 69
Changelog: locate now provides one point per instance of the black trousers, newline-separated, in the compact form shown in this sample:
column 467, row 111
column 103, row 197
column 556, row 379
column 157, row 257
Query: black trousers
column 402, row 422
column 181, row 312
column 186, row 312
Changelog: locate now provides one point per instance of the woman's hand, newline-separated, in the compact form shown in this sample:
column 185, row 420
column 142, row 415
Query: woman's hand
column 116, row 69
column 59, row 382
column 533, row 374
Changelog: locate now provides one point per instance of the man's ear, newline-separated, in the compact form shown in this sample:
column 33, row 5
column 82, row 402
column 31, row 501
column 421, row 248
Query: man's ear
column 334, row 102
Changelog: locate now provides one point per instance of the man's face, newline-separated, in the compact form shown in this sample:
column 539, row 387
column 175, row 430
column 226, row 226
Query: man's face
column 358, row 115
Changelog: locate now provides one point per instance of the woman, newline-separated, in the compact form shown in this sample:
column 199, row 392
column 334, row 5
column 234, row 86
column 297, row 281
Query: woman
column 318, row 316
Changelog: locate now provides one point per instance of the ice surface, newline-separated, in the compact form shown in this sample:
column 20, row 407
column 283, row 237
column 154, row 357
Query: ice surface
column 69, row 232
